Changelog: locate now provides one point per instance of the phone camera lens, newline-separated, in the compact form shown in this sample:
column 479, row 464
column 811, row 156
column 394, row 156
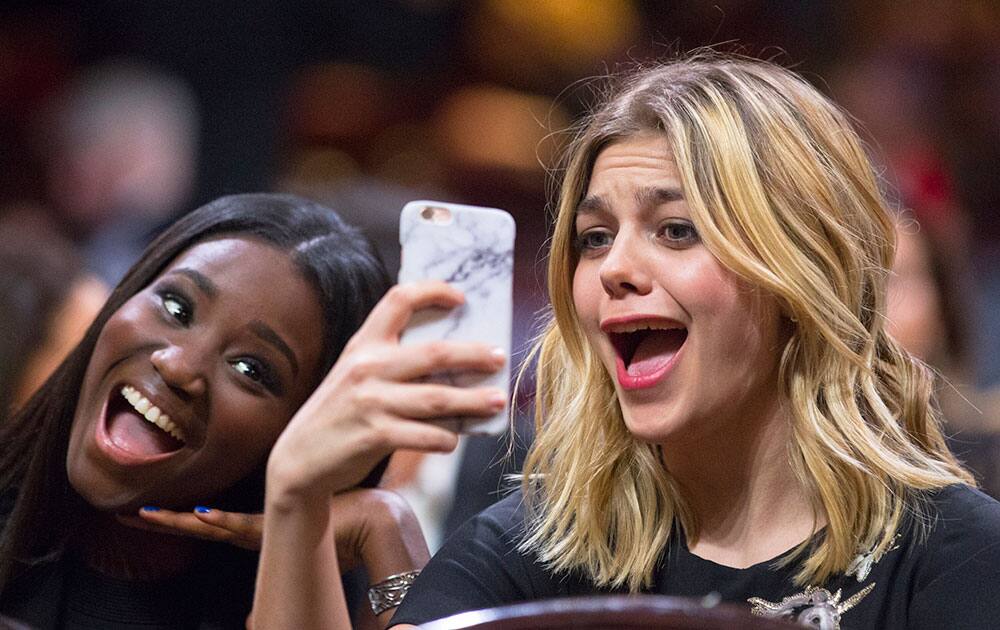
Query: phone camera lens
column 434, row 214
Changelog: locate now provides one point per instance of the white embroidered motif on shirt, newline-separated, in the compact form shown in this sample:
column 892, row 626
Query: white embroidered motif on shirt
column 862, row 565
column 812, row 608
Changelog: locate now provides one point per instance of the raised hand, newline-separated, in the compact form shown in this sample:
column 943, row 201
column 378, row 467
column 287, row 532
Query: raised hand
column 370, row 403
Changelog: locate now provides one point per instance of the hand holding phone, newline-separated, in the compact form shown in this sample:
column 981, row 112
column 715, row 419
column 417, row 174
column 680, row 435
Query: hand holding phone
column 471, row 248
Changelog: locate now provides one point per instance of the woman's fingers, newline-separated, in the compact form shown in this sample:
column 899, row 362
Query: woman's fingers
column 420, row 436
column 428, row 401
column 246, row 529
column 390, row 316
column 419, row 360
column 242, row 530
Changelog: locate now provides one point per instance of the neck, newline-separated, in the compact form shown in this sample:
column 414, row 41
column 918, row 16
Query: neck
column 118, row 550
column 739, row 484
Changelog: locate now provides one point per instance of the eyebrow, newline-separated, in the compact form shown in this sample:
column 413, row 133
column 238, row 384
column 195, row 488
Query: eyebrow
column 200, row 280
column 266, row 333
column 592, row 204
column 645, row 197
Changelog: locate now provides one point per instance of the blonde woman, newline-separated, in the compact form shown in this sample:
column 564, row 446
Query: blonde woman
column 719, row 406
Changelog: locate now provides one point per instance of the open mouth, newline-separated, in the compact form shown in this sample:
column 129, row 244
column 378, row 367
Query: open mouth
column 646, row 349
column 136, row 425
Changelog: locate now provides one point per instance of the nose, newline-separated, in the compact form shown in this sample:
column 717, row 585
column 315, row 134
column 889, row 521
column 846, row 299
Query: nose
column 181, row 369
column 622, row 270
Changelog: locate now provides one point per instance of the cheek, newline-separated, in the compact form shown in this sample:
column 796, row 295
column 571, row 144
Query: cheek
column 123, row 329
column 587, row 291
column 586, row 303
column 250, row 429
column 746, row 327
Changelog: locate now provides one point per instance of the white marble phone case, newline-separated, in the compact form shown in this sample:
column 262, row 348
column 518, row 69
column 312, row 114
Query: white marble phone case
column 471, row 248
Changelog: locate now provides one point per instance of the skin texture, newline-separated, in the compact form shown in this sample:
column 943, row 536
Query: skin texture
column 199, row 356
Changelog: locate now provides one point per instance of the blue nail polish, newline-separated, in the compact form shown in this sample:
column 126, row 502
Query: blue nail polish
column 201, row 509
column 150, row 508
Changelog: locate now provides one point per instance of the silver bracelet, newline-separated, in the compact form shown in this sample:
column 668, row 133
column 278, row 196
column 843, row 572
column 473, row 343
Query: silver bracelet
column 390, row 592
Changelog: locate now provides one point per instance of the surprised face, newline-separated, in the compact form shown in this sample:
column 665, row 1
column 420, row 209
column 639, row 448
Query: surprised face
column 692, row 350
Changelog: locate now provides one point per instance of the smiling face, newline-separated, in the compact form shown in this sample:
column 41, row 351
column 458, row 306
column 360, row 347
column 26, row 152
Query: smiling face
column 193, row 379
column 692, row 350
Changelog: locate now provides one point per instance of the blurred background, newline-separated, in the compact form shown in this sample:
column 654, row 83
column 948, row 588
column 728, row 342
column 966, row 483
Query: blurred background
column 116, row 117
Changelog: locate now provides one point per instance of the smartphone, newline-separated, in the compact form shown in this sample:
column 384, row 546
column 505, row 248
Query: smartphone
column 471, row 248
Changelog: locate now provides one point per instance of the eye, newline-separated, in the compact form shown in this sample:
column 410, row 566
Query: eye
column 176, row 306
column 594, row 239
column 678, row 233
column 257, row 371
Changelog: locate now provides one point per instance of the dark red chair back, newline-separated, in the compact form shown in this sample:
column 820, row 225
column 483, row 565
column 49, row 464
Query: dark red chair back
column 617, row 612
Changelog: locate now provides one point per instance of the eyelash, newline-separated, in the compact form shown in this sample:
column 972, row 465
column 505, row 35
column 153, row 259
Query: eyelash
column 265, row 376
column 692, row 233
column 183, row 312
column 582, row 242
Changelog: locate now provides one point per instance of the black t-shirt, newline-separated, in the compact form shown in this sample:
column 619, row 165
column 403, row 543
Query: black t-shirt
column 947, row 577
column 65, row 594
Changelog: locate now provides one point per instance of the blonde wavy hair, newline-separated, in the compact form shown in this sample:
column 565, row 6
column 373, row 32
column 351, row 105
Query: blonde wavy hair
column 782, row 193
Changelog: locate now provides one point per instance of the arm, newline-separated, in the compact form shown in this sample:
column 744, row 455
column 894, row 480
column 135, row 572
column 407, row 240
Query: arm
column 298, row 582
column 366, row 407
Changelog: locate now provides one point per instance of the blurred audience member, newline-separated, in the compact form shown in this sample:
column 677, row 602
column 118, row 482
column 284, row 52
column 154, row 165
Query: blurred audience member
column 928, row 307
column 121, row 144
column 47, row 301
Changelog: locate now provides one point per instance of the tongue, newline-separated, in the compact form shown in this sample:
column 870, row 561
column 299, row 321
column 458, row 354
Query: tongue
column 655, row 350
column 133, row 433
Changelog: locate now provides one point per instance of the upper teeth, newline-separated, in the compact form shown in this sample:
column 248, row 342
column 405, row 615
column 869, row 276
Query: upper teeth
column 150, row 411
column 630, row 328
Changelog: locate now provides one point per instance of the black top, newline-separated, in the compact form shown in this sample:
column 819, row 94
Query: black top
column 949, row 577
column 216, row 594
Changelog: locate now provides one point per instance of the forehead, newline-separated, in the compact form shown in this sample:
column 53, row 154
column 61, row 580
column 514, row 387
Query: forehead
column 233, row 259
column 645, row 156
column 634, row 172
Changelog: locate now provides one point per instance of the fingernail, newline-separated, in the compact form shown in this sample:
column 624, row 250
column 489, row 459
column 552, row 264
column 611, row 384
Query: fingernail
column 498, row 354
column 498, row 400
column 201, row 509
column 150, row 508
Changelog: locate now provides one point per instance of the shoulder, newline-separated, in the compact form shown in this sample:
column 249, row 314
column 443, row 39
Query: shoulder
column 956, row 556
column 961, row 516
column 494, row 533
column 505, row 518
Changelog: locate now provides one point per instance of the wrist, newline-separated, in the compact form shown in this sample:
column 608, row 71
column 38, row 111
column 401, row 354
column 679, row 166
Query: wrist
column 288, row 490
column 386, row 595
column 394, row 542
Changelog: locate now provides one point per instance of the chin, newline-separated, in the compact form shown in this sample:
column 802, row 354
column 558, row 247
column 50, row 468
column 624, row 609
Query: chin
column 655, row 422
column 102, row 489
column 100, row 493
column 653, row 428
